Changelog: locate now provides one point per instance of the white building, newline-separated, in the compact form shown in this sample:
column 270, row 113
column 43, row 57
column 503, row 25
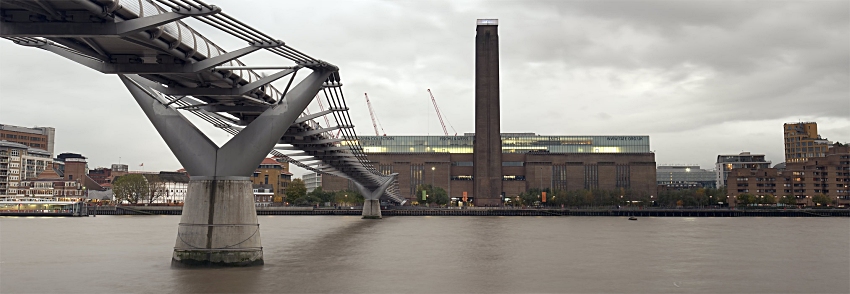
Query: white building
column 19, row 163
column 173, row 186
column 312, row 181
column 725, row 164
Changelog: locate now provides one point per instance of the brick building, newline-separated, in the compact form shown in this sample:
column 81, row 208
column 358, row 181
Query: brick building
column 528, row 161
column 744, row 160
column 274, row 173
column 37, row 137
column 802, row 142
column 488, row 165
column 828, row 175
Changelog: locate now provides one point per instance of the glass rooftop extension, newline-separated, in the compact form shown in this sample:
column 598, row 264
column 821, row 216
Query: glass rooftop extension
column 511, row 143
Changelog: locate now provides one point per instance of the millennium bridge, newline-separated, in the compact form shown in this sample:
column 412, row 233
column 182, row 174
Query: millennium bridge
column 172, row 70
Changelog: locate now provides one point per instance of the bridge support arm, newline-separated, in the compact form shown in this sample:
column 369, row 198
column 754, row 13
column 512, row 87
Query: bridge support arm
column 192, row 148
column 241, row 154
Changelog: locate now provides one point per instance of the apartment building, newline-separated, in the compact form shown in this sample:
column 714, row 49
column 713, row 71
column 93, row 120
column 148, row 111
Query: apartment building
column 36, row 137
column 802, row 142
column 18, row 162
column 744, row 160
column 827, row 175
column 274, row 173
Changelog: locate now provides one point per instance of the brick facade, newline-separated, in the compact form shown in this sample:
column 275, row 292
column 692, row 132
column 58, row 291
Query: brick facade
column 520, row 171
column 828, row 175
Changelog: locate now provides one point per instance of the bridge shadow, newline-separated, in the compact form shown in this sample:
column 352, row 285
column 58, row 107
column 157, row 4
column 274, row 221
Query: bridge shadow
column 217, row 280
column 305, row 265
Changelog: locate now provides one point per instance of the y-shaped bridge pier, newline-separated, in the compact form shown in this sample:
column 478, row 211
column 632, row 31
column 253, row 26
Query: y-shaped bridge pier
column 170, row 69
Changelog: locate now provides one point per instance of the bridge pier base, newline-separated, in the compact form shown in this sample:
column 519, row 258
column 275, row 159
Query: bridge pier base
column 372, row 209
column 372, row 198
column 219, row 224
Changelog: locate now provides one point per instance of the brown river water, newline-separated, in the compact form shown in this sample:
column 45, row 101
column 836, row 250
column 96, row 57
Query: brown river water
column 344, row 254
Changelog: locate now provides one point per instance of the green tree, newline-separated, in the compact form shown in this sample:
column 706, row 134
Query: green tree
column 821, row 199
column 788, row 200
column 348, row 197
column 434, row 194
column 131, row 188
column 322, row 195
column 769, row 199
column 296, row 189
column 746, row 199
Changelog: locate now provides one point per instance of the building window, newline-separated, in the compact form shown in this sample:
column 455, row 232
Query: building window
column 591, row 177
column 623, row 176
column 559, row 177
column 462, row 163
column 512, row 163
column 385, row 169
column 416, row 177
column 267, row 179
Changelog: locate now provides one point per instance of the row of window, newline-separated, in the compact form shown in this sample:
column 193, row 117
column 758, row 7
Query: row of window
column 22, row 137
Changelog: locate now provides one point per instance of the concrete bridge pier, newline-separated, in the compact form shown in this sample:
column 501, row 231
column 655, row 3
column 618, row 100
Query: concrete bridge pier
column 372, row 198
column 219, row 224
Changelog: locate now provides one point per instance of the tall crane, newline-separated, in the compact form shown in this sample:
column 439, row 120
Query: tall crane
column 440, row 116
column 374, row 118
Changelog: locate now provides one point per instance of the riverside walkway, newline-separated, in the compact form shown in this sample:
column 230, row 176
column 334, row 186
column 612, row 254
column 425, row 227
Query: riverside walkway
column 486, row 211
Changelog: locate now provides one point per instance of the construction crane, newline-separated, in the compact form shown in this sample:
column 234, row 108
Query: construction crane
column 440, row 116
column 374, row 118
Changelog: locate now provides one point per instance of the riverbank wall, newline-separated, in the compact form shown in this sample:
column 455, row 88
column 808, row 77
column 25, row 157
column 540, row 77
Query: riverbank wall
column 482, row 211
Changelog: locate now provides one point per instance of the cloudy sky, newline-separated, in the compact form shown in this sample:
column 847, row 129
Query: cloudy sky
column 701, row 78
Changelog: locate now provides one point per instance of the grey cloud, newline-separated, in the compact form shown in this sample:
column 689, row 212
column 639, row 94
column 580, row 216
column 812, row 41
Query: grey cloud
column 668, row 69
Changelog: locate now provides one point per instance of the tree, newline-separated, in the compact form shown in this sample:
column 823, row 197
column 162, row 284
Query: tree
column 156, row 187
column 321, row 195
column 295, row 190
column 434, row 194
column 788, row 200
column 769, row 199
column 131, row 188
column 821, row 199
column 746, row 199
column 348, row 197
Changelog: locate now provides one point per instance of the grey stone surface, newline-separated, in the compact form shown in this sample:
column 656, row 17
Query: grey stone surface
column 219, row 225
column 372, row 209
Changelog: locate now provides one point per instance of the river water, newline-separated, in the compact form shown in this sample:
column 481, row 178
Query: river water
column 336, row 254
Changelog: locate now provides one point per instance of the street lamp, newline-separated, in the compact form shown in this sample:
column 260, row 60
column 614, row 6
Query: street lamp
column 432, row 175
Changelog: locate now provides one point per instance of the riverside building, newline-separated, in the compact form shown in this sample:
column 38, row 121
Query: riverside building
column 744, row 160
column 802, row 142
column 685, row 177
column 486, row 166
column 528, row 161
column 36, row 137
column 274, row 175
column 18, row 162
column 828, row 175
